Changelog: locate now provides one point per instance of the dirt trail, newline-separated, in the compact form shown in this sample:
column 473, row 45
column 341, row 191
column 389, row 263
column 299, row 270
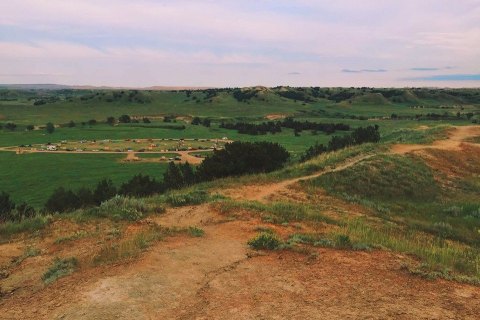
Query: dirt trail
column 455, row 139
column 263, row 192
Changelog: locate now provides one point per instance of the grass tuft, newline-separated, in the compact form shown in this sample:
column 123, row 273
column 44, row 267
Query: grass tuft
column 60, row 268
column 265, row 241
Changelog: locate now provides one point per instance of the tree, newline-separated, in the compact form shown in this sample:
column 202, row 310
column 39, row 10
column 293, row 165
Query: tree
column 105, row 190
column 125, row 118
column 206, row 122
column 23, row 211
column 196, row 121
column 140, row 186
column 50, row 128
column 111, row 121
column 6, row 206
column 30, row 127
column 313, row 151
column 92, row 122
column 188, row 174
column 146, row 120
column 71, row 124
column 11, row 126
column 243, row 158
column 62, row 200
column 172, row 178
column 85, row 196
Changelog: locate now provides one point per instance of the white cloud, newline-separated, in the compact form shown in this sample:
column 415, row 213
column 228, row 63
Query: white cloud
column 265, row 38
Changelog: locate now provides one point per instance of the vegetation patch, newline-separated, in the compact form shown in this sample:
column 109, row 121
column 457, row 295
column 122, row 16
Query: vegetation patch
column 27, row 253
column 276, row 212
column 123, row 208
column 435, row 252
column 179, row 199
column 131, row 248
column 60, row 268
column 30, row 226
column 196, row 232
column 383, row 178
column 72, row 237
column 417, row 136
column 265, row 241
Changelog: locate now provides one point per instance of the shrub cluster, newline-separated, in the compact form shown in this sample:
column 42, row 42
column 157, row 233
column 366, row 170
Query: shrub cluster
column 358, row 136
column 10, row 211
column 276, row 126
column 240, row 158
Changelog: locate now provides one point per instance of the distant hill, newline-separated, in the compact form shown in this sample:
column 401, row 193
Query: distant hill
column 48, row 86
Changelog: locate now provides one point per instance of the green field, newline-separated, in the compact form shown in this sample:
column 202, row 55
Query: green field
column 32, row 177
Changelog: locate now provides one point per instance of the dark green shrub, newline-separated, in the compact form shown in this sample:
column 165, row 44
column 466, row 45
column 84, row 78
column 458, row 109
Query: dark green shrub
column 265, row 241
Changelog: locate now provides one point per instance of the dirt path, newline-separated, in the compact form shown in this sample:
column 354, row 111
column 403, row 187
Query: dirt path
column 456, row 137
column 263, row 192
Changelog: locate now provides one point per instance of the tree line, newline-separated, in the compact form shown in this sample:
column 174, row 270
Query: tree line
column 276, row 126
column 358, row 136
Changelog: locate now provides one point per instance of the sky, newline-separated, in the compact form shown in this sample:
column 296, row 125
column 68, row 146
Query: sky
column 232, row 43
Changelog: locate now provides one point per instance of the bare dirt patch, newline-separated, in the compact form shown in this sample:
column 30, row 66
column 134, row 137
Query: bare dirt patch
column 291, row 286
column 275, row 116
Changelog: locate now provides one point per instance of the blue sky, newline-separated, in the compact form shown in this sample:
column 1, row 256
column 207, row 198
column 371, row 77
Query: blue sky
column 241, row 43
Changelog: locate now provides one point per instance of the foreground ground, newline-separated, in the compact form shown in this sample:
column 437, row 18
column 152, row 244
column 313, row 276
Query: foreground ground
column 217, row 275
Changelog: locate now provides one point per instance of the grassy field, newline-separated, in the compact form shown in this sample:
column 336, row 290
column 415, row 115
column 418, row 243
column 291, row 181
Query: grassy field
column 33, row 177
column 75, row 170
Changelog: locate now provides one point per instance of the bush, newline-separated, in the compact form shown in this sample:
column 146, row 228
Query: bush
column 196, row 232
column 125, row 118
column 443, row 229
column 121, row 208
column 62, row 201
column 105, row 190
column 243, row 158
column 6, row 206
column 343, row 241
column 265, row 241
column 185, row 199
column 60, row 268
column 30, row 225
column 140, row 186
column 50, row 127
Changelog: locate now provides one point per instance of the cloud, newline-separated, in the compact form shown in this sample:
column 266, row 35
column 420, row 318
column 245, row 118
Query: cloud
column 425, row 69
column 448, row 77
column 364, row 71
column 294, row 73
column 216, row 43
column 431, row 69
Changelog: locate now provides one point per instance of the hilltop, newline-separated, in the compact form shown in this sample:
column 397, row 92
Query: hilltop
column 356, row 231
